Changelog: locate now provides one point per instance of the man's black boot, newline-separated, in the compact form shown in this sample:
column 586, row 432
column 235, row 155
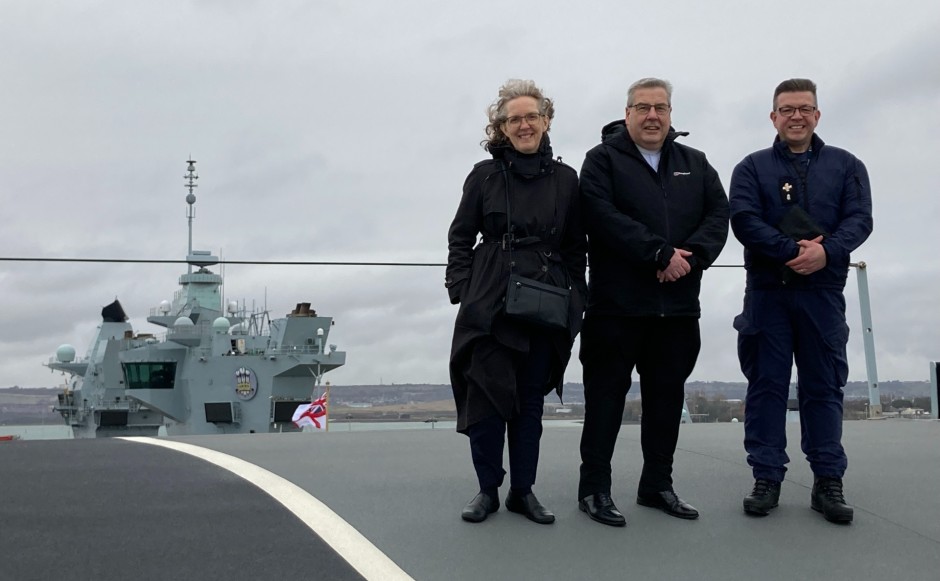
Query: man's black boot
column 764, row 497
column 828, row 499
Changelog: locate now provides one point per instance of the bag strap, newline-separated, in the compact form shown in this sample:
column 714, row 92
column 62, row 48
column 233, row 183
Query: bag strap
column 507, row 237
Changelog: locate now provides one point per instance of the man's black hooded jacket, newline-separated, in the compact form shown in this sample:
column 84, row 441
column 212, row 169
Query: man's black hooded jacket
column 635, row 217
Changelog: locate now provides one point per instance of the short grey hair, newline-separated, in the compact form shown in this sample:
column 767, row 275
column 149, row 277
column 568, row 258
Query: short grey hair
column 496, row 112
column 795, row 86
column 649, row 83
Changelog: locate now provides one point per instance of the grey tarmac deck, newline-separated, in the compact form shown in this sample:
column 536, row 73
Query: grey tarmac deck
column 403, row 491
column 114, row 510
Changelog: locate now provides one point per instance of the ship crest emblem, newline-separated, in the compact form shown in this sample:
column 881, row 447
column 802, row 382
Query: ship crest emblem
column 246, row 383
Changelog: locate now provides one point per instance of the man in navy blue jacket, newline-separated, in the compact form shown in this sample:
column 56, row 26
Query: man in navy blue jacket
column 799, row 208
column 656, row 215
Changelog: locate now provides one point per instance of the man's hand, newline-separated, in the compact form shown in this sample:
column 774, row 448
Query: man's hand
column 677, row 268
column 812, row 257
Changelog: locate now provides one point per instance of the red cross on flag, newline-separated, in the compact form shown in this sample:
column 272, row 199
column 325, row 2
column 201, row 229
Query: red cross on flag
column 311, row 414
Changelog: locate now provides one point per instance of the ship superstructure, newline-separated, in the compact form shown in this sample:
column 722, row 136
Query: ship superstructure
column 214, row 371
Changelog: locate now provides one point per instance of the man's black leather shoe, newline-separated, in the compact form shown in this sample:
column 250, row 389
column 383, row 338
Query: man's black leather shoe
column 669, row 502
column 529, row 506
column 764, row 497
column 481, row 506
column 601, row 508
column 828, row 499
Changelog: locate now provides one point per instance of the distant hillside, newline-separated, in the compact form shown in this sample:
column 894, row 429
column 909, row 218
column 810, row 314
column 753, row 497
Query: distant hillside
column 28, row 406
column 853, row 390
column 19, row 406
column 574, row 392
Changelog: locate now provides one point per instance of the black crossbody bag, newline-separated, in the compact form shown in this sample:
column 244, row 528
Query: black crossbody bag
column 528, row 299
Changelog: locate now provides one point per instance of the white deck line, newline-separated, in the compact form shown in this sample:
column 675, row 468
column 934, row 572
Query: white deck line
column 342, row 537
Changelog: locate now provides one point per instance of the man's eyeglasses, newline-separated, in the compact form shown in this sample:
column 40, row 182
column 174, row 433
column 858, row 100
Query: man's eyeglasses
column 805, row 110
column 645, row 108
column 516, row 120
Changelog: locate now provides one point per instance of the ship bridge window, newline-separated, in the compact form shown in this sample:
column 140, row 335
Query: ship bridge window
column 150, row 375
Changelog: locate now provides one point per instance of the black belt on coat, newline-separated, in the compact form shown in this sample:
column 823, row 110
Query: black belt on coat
column 527, row 243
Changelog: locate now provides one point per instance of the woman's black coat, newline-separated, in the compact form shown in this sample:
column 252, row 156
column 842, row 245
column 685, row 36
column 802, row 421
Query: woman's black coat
column 550, row 246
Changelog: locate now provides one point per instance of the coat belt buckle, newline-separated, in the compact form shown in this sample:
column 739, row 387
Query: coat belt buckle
column 507, row 241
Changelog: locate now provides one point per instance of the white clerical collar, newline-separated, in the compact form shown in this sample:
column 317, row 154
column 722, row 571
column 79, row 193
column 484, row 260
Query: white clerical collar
column 651, row 156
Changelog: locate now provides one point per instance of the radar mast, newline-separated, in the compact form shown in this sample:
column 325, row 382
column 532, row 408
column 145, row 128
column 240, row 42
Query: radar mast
column 190, row 184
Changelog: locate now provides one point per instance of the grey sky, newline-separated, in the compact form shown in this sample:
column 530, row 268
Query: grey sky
column 343, row 131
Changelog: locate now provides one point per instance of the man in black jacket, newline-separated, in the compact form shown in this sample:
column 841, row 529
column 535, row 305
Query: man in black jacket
column 656, row 215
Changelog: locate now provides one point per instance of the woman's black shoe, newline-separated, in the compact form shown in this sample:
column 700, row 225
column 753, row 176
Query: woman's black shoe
column 481, row 506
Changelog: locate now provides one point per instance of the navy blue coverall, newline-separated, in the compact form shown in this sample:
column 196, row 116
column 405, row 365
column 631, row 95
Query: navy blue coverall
column 787, row 316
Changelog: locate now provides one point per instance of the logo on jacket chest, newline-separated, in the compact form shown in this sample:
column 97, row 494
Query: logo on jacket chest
column 681, row 173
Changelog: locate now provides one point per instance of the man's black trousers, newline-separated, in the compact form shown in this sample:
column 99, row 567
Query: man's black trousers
column 663, row 350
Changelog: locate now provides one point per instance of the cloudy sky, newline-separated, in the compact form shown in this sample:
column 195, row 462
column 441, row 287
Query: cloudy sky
column 343, row 131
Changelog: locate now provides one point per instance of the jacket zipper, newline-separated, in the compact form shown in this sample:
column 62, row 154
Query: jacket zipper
column 804, row 179
column 662, row 186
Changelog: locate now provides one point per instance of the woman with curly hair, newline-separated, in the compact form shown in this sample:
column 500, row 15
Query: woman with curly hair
column 502, row 367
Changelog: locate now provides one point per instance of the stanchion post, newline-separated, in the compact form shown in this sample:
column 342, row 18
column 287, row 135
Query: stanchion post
column 868, row 339
column 934, row 387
